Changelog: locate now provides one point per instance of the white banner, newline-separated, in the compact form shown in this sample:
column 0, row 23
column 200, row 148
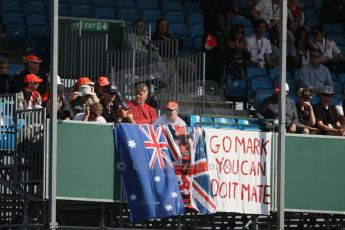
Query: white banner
column 239, row 166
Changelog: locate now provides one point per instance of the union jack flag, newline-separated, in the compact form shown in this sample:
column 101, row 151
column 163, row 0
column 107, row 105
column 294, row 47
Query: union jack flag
column 191, row 167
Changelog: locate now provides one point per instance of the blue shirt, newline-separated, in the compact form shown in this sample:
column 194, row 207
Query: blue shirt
column 315, row 77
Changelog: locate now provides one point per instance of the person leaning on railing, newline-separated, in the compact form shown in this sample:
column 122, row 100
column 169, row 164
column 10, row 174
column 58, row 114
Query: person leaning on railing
column 171, row 115
column 92, row 114
column 29, row 97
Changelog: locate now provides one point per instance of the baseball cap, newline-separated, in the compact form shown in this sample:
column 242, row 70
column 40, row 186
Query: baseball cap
column 327, row 90
column 85, row 90
column 103, row 81
column 32, row 58
column 211, row 42
column 32, row 78
column 277, row 88
column 171, row 105
column 58, row 80
column 85, row 81
column 303, row 92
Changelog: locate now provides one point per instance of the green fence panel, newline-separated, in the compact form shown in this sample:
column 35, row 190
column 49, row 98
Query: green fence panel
column 315, row 173
column 86, row 162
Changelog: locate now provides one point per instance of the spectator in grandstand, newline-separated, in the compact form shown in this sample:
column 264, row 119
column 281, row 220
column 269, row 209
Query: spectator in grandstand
column 171, row 115
column 5, row 82
column 101, row 83
column 295, row 15
column 112, row 110
column 29, row 97
column 243, row 7
column 259, row 47
column 269, row 109
column 63, row 108
column 315, row 76
column 302, row 46
column 216, row 15
column 32, row 66
column 274, row 39
column 237, row 52
column 93, row 114
column 341, row 108
column 142, row 113
column 331, row 55
column 85, row 97
column 305, row 112
column 269, row 11
column 83, row 81
column 162, row 33
column 327, row 118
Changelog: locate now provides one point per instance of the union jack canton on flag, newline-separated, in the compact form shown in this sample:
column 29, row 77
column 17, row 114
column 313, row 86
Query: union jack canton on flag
column 149, row 179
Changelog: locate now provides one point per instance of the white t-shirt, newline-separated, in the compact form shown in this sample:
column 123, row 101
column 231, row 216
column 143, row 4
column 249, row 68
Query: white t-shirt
column 258, row 48
column 163, row 120
column 268, row 10
column 339, row 109
column 80, row 117
column 328, row 49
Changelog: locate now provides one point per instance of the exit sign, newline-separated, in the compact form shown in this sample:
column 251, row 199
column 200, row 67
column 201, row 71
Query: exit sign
column 94, row 26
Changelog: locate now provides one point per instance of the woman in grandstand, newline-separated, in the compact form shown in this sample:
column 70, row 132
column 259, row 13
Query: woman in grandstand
column 237, row 52
column 295, row 15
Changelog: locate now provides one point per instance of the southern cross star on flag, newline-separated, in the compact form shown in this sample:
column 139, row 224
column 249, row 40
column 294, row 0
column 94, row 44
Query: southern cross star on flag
column 149, row 179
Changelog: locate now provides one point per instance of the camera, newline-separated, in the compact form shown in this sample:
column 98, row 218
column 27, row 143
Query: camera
column 119, row 100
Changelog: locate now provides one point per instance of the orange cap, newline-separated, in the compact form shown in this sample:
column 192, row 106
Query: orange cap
column 85, row 81
column 32, row 58
column 103, row 81
column 171, row 105
column 210, row 42
column 32, row 78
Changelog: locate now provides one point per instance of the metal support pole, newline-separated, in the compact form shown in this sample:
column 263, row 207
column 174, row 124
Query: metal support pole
column 282, row 108
column 53, row 114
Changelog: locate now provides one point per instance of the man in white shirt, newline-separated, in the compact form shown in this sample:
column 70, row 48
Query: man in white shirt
column 171, row 115
column 269, row 11
column 259, row 47
column 331, row 55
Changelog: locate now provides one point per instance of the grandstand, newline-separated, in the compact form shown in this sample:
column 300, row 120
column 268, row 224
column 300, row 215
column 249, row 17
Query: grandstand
column 93, row 41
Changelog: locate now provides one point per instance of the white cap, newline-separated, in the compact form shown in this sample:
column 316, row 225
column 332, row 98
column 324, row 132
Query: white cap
column 58, row 80
column 85, row 90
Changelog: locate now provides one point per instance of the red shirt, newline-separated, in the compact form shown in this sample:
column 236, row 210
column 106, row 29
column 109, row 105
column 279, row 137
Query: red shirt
column 142, row 114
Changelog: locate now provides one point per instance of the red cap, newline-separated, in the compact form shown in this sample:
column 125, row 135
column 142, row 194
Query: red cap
column 171, row 105
column 85, row 81
column 32, row 58
column 32, row 78
column 102, row 81
column 210, row 42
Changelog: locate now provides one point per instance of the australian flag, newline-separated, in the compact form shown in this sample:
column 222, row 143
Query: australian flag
column 191, row 168
column 149, row 179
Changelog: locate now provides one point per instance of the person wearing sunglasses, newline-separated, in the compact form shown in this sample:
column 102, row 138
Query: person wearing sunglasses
column 171, row 115
column 305, row 112
column 315, row 76
column 32, row 66
column 5, row 83
column 331, row 55
column 327, row 118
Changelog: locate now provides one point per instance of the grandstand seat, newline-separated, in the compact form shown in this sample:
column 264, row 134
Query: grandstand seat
column 197, row 43
column 13, row 20
column 150, row 15
column 225, row 123
column 178, row 30
column 204, row 121
column 260, row 95
column 7, row 139
column 192, row 7
column 172, row 6
column 82, row 12
column 15, row 69
column 125, row 5
column 339, row 39
column 307, row 3
column 195, row 19
column 37, row 33
column 235, row 88
column 336, row 99
column 148, row 5
column 256, row 72
column 311, row 14
column 293, row 97
column 297, row 74
column 342, row 78
column 35, row 8
column 196, row 31
column 15, row 35
column 188, row 43
column 105, row 13
column 274, row 73
column 79, row 3
column 243, row 21
column 103, row 3
column 337, row 87
column 314, row 99
column 64, row 10
column 37, row 21
column 249, row 125
column 11, row 7
column 175, row 18
column 333, row 29
column 128, row 15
